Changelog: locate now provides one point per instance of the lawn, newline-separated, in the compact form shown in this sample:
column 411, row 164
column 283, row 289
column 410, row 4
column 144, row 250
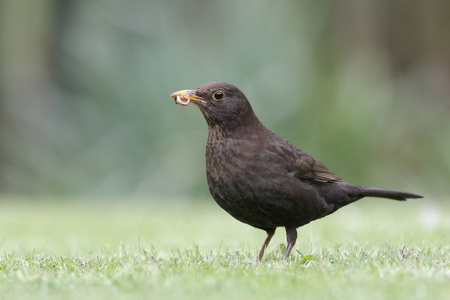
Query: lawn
column 167, row 249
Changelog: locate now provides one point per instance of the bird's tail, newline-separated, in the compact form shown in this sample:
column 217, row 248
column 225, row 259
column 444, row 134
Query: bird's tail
column 385, row 193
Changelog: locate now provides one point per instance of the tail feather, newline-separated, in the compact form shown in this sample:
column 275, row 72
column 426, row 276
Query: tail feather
column 385, row 193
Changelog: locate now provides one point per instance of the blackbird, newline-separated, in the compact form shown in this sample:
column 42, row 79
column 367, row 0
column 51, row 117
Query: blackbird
column 260, row 178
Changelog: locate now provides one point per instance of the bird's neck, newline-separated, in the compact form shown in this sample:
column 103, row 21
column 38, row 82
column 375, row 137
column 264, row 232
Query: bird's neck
column 243, row 124
column 222, row 135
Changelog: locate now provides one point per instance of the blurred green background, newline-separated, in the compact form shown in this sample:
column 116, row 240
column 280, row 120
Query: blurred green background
column 364, row 86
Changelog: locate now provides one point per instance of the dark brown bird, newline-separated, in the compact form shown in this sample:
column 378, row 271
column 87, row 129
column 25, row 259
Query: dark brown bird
column 260, row 178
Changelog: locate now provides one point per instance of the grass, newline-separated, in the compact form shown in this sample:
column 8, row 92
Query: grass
column 374, row 249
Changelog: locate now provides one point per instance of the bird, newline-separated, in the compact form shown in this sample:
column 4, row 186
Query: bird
column 260, row 178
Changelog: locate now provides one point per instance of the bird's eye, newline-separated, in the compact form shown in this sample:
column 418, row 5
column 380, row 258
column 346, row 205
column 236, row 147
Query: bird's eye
column 218, row 95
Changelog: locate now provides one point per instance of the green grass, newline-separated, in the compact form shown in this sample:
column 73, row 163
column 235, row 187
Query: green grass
column 375, row 249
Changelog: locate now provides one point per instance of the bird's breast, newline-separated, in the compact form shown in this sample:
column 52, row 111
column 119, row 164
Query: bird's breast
column 242, row 182
column 227, row 158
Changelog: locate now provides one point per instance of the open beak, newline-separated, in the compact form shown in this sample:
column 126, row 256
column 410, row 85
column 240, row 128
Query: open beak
column 184, row 97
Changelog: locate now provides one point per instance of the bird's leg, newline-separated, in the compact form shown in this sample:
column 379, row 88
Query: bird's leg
column 291, row 236
column 270, row 233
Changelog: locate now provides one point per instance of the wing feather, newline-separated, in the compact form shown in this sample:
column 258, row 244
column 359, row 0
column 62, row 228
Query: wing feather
column 309, row 168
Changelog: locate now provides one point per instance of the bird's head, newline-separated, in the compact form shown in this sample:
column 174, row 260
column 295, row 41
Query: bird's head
column 220, row 103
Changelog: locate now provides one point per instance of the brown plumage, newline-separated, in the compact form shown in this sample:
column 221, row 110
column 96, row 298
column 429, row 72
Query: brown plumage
column 260, row 178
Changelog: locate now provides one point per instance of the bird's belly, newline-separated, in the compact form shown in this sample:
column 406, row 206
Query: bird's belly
column 267, row 203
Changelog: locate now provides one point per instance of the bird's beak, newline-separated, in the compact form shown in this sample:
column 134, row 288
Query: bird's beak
column 184, row 97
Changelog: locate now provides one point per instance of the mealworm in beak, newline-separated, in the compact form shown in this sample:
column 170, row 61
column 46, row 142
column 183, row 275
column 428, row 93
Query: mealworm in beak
column 180, row 99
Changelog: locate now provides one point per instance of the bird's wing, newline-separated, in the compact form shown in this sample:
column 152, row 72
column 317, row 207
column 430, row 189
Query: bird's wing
column 308, row 168
column 298, row 163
